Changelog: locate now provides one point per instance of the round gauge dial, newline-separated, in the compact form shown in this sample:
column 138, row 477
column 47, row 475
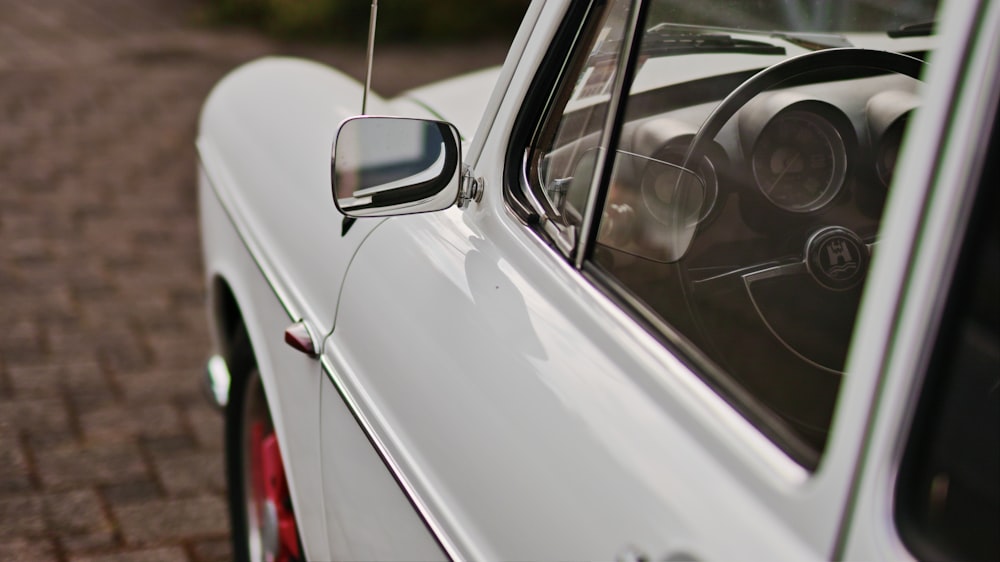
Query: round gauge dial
column 660, row 183
column 799, row 161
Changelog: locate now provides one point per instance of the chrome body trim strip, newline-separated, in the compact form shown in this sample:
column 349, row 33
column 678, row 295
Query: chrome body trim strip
column 449, row 547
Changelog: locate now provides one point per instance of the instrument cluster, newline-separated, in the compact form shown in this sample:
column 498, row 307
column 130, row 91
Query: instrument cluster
column 791, row 151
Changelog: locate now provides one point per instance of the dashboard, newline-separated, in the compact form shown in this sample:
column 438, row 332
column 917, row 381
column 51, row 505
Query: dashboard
column 789, row 159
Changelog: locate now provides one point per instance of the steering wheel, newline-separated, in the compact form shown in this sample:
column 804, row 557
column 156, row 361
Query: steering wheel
column 744, row 335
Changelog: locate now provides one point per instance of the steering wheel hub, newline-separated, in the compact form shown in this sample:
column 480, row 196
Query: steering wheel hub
column 837, row 258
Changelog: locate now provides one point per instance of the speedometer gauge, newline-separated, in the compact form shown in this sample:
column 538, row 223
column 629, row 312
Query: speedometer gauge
column 799, row 161
column 887, row 114
column 797, row 149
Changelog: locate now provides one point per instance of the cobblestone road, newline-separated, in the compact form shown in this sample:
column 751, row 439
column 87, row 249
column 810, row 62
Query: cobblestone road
column 107, row 449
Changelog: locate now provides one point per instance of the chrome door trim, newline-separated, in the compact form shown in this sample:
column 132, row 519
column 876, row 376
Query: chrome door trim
column 394, row 467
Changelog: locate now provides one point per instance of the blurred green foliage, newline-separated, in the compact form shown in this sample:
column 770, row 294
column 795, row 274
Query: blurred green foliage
column 398, row 20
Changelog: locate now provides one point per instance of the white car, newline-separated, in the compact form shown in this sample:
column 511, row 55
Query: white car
column 682, row 280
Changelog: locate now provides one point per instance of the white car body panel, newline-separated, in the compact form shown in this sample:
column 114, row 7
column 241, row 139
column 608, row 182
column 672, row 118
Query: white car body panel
column 276, row 118
column 478, row 398
column 279, row 186
column 368, row 517
column 253, row 148
column 573, row 402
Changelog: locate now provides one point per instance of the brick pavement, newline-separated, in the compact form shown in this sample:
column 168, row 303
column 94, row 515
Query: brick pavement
column 108, row 452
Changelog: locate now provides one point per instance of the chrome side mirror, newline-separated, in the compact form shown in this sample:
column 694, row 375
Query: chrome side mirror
column 387, row 166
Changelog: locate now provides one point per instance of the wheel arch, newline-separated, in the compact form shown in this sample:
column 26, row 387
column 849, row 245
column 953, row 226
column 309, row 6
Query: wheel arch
column 229, row 327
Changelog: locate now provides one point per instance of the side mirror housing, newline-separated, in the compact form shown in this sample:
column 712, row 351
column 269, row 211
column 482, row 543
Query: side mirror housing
column 388, row 166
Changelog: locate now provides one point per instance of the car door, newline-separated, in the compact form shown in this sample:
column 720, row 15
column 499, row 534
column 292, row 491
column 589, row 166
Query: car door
column 534, row 391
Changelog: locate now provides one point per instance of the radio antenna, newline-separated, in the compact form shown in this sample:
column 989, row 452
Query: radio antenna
column 371, row 54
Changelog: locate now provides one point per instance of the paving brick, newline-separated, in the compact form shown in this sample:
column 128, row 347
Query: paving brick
column 69, row 466
column 27, row 550
column 71, row 340
column 142, row 385
column 160, row 447
column 92, row 398
column 34, row 415
column 51, row 379
column 47, row 440
column 116, row 423
column 29, row 304
column 119, row 358
column 206, row 423
column 163, row 554
column 100, row 541
column 14, row 475
column 21, row 341
column 189, row 518
column 131, row 492
column 218, row 550
column 34, row 381
column 180, row 353
column 75, row 513
column 21, row 516
column 187, row 474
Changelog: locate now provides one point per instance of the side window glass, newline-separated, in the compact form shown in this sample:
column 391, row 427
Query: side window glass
column 948, row 494
column 747, row 186
column 564, row 153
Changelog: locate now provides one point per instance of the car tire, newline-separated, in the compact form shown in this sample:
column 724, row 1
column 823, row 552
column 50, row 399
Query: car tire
column 261, row 515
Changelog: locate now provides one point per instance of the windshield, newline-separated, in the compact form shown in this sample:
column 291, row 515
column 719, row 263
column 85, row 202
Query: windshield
column 797, row 15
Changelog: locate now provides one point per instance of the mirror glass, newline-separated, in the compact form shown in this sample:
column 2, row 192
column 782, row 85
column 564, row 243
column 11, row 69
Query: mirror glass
column 386, row 166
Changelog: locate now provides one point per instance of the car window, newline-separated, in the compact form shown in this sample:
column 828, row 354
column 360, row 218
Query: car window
column 564, row 158
column 748, row 174
column 948, row 493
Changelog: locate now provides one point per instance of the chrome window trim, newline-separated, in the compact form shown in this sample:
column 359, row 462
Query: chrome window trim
column 529, row 192
column 521, row 149
column 615, row 113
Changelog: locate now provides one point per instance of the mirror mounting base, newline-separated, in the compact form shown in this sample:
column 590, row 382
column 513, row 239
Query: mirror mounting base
column 471, row 190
